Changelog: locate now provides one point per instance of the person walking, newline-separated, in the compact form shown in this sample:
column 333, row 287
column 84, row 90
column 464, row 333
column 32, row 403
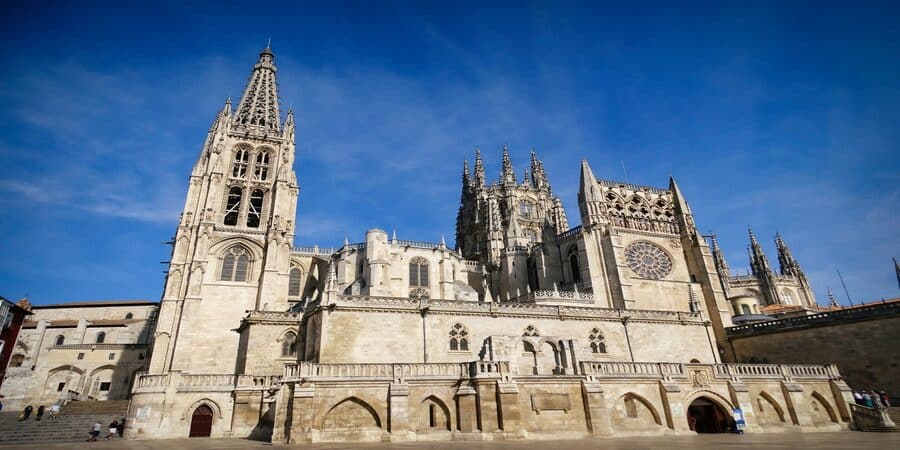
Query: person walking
column 113, row 429
column 40, row 413
column 26, row 413
column 867, row 399
column 876, row 400
column 54, row 411
column 884, row 399
column 95, row 432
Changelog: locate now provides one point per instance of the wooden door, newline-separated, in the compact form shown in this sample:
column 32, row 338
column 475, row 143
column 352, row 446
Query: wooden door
column 201, row 422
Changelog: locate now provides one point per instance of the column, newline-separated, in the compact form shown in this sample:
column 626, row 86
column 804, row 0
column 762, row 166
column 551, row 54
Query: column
column 468, row 415
column 510, row 417
column 596, row 412
column 399, row 411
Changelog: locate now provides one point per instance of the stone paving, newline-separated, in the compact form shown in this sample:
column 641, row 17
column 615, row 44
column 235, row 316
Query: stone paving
column 786, row 441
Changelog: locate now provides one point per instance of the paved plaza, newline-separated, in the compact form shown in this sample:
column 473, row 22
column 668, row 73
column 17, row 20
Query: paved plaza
column 791, row 441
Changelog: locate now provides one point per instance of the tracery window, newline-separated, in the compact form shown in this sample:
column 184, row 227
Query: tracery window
column 294, row 282
column 101, row 336
column 239, row 168
column 255, row 209
column 745, row 309
column 261, row 168
column 631, row 407
column 788, row 298
column 233, row 206
column 525, row 209
column 418, row 273
column 597, row 341
column 531, row 330
column 648, row 260
column 289, row 344
column 60, row 340
column 459, row 337
column 235, row 264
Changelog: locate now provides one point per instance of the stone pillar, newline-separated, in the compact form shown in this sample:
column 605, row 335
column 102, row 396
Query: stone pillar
column 467, row 413
column 673, row 409
column 568, row 364
column 300, row 422
column 510, row 416
column 488, row 422
column 399, row 411
column 595, row 409
column 740, row 397
column 284, row 406
column 796, row 404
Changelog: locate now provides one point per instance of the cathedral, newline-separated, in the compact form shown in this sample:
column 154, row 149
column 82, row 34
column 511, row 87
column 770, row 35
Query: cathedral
column 529, row 328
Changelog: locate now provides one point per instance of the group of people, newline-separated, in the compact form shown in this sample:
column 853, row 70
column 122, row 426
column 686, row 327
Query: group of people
column 26, row 413
column 872, row 399
column 115, row 429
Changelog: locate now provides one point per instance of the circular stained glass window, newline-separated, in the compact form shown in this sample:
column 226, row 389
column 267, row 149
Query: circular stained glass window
column 648, row 260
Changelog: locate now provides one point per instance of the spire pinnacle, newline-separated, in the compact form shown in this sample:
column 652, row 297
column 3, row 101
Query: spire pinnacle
column 507, row 176
column 680, row 201
column 258, row 110
column 479, row 168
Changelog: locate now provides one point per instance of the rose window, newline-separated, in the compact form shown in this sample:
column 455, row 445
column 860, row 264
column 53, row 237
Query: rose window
column 648, row 260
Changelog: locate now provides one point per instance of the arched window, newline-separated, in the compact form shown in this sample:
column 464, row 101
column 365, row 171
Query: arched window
column 60, row 340
column 129, row 316
column 788, row 298
column 418, row 273
column 745, row 309
column 101, row 336
column 289, row 344
column 525, row 209
column 255, row 209
column 597, row 341
column 573, row 264
column 261, row 168
column 459, row 337
column 531, row 330
column 239, row 168
column 294, row 283
column 233, row 206
column 235, row 264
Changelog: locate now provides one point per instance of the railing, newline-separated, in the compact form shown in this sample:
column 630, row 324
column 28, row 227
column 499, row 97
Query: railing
column 200, row 382
column 395, row 371
column 257, row 381
column 315, row 250
column 149, row 381
column 631, row 369
column 568, row 234
column 206, row 380
column 828, row 317
column 742, row 278
column 748, row 370
column 633, row 187
column 418, row 244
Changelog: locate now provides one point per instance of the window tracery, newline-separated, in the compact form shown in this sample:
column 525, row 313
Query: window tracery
column 241, row 159
column 235, row 264
column 574, row 266
column 648, row 260
column 233, row 206
column 597, row 341
column 261, row 167
column 254, row 211
column 294, row 282
column 531, row 330
column 289, row 344
column 459, row 338
column 418, row 272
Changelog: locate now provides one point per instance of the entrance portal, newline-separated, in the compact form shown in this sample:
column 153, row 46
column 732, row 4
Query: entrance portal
column 201, row 422
column 706, row 416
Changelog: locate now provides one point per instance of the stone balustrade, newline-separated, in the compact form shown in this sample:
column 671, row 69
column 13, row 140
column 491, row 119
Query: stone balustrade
column 599, row 369
column 202, row 382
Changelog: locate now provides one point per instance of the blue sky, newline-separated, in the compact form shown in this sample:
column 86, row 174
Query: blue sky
column 781, row 116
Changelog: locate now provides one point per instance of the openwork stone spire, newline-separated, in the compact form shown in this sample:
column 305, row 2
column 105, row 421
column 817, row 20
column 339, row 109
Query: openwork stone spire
column 258, row 109
column 507, row 176
column 759, row 264
column 789, row 265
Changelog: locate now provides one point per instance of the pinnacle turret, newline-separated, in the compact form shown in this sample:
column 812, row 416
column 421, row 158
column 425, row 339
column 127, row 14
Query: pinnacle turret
column 508, row 175
column 479, row 168
column 789, row 265
column 258, row 108
column 759, row 263
column 719, row 258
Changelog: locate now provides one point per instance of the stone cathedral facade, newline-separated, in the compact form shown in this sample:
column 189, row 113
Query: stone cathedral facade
column 530, row 328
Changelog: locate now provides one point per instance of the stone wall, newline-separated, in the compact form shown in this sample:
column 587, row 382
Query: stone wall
column 863, row 345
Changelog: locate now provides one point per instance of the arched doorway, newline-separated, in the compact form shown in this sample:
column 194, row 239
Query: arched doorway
column 201, row 422
column 706, row 416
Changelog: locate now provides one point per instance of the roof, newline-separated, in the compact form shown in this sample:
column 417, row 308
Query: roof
column 89, row 304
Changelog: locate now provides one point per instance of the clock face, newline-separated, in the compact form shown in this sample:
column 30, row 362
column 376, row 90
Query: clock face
column 648, row 260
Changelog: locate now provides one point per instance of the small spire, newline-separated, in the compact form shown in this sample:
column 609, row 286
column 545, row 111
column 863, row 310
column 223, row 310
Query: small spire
column 346, row 241
column 443, row 241
column 394, row 235
column 679, row 199
column 479, row 168
column 831, row 300
column 507, row 176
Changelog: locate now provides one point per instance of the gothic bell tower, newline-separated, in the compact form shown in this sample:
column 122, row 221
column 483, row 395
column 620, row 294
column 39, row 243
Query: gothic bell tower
column 231, row 250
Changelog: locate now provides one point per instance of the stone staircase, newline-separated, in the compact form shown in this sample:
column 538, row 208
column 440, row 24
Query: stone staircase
column 73, row 424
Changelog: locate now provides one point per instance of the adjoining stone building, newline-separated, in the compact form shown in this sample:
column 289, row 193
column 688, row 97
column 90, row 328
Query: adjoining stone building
column 528, row 329
column 79, row 351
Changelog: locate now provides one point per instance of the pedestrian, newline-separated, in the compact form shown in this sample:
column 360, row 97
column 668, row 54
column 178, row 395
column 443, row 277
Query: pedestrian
column 26, row 413
column 857, row 397
column 40, row 413
column 122, row 427
column 867, row 399
column 884, row 399
column 54, row 411
column 95, row 431
column 113, row 429
column 876, row 400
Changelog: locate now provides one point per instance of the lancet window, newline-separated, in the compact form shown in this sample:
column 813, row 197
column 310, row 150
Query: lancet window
column 233, row 206
column 289, row 344
column 418, row 273
column 459, row 338
column 573, row 264
column 101, row 337
column 294, row 282
column 254, row 211
column 239, row 167
column 261, row 168
column 235, row 264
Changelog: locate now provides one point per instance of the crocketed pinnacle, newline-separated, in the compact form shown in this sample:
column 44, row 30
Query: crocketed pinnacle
column 258, row 109
column 507, row 176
